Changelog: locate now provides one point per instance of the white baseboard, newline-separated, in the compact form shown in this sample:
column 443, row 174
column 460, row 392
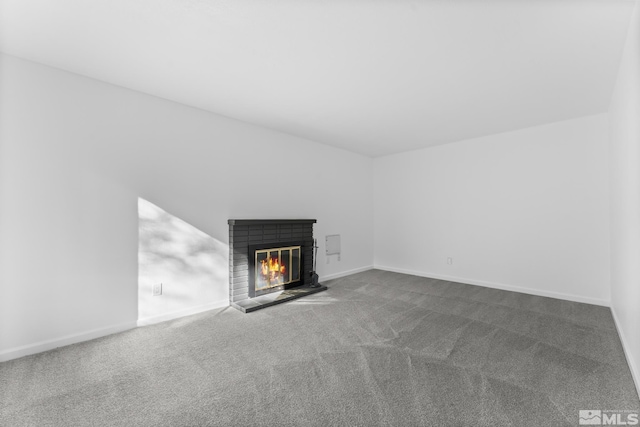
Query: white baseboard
column 181, row 313
column 530, row 291
column 345, row 273
column 16, row 352
column 635, row 372
column 39, row 347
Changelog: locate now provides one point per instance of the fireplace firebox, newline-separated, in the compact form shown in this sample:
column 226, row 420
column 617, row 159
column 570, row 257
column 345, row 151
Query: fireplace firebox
column 273, row 269
column 270, row 261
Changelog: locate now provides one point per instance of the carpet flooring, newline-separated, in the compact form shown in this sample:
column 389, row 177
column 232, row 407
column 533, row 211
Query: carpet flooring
column 377, row 348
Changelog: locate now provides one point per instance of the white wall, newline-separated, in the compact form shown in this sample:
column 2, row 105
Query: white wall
column 75, row 156
column 625, row 197
column 183, row 261
column 524, row 210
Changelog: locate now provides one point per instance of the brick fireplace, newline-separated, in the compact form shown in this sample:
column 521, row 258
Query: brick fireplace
column 270, row 261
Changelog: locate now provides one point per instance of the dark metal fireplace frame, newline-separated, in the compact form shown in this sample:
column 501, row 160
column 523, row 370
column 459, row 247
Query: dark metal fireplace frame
column 252, row 266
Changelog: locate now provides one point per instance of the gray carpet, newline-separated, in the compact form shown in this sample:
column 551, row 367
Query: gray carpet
column 377, row 348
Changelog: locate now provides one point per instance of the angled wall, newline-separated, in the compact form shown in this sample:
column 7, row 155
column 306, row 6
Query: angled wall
column 625, row 197
column 180, row 260
column 75, row 156
column 524, row 210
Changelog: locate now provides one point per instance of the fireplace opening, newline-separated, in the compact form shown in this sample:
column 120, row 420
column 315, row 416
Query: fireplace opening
column 274, row 267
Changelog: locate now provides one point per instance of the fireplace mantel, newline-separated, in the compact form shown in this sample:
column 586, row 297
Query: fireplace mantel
column 236, row 222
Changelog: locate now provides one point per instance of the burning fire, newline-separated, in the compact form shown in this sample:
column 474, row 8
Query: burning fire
column 271, row 267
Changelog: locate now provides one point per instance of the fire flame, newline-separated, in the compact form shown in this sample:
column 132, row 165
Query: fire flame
column 271, row 265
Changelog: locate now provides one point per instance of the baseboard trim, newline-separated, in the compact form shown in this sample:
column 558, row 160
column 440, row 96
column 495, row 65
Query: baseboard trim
column 181, row 313
column 346, row 273
column 501, row 286
column 39, row 347
column 635, row 372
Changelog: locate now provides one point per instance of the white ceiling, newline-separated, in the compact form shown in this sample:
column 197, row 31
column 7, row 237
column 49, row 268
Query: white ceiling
column 371, row 76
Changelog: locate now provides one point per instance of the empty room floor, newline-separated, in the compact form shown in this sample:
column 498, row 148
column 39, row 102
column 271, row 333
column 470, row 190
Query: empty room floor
column 377, row 348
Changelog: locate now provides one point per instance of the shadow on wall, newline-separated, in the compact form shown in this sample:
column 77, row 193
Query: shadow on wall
column 191, row 266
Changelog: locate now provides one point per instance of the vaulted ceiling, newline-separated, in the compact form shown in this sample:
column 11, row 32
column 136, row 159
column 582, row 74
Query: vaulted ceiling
column 371, row 76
